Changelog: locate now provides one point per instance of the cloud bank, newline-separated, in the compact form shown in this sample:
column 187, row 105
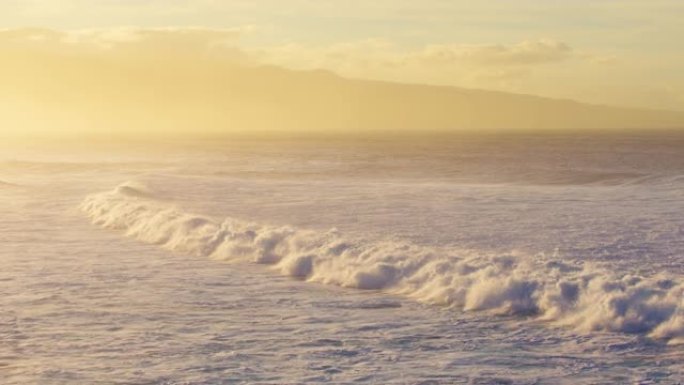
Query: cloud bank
column 152, row 81
column 635, row 44
column 491, row 66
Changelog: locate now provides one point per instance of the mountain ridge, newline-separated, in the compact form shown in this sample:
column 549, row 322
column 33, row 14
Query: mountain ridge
column 105, row 92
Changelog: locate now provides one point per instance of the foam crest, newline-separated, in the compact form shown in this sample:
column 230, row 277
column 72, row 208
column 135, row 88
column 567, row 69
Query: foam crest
column 578, row 295
column 134, row 189
column 7, row 184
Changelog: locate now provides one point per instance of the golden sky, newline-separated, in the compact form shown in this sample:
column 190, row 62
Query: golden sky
column 212, row 66
column 624, row 52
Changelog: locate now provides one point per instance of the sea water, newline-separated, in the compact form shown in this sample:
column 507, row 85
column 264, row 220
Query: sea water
column 459, row 259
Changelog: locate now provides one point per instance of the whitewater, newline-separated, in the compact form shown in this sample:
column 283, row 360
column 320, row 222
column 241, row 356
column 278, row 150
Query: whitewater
column 474, row 259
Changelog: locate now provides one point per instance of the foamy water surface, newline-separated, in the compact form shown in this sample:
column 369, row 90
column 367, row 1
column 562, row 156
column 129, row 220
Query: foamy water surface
column 469, row 259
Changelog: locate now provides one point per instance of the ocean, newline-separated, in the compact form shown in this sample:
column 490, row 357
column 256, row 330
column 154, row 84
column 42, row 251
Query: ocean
column 509, row 258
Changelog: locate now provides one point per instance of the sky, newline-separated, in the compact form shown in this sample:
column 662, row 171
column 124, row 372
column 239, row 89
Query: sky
column 614, row 52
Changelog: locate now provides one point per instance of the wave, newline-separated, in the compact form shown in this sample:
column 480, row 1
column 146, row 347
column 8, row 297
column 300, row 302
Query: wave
column 133, row 189
column 580, row 295
column 4, row 184
column 592, row 178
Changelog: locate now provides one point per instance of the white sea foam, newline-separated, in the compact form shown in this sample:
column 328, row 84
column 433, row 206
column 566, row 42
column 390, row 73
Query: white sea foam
column 7, row 184
column 583, row 296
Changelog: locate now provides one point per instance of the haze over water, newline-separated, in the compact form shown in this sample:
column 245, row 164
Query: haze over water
column 464, row 259
column 342, row 192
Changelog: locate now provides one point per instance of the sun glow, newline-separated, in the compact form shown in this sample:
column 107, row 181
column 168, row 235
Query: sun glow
column 195, row 81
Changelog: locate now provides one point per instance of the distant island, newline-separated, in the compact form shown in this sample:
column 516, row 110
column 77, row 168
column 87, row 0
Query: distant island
column 125, row 91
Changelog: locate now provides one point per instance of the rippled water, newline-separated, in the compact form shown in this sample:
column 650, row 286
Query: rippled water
column 467, row 242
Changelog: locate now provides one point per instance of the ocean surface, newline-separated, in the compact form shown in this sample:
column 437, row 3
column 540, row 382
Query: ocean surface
column 464, row 259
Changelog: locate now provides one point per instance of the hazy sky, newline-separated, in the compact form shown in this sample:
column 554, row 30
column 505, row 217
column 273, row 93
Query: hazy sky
column 604, row 51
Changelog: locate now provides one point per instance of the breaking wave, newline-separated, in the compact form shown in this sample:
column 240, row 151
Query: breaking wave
column 580, row 295
column 4, row 184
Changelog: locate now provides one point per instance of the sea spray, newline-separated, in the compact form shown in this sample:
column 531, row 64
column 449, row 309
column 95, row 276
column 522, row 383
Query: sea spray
column 583, row 296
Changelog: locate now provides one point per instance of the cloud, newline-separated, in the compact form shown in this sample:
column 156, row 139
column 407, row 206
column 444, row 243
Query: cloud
column 497, row 66
column 205, row 80
column 184, row 40
column 186, row 35
column 503, row 67
column 165, row 81
column 384, row 52
column 524, row 53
